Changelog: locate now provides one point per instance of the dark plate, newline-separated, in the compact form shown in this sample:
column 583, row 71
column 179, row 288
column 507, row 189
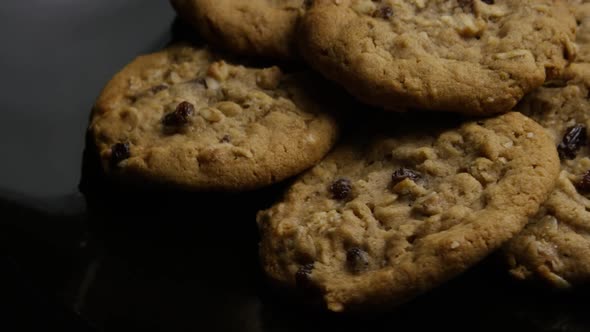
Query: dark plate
column 119, row 259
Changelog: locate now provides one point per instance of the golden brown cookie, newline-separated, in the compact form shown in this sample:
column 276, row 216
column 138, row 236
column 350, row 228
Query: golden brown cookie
column 555, row 246
column 248, row 27
column 468, row 56
column 581, row 9
column 184, row 116
column 377, row 223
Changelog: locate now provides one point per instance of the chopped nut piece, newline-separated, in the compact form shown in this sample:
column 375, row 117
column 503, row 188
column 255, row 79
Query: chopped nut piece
column 218, row 70
column 211, row 114
column 229, row 108
column 211, row 83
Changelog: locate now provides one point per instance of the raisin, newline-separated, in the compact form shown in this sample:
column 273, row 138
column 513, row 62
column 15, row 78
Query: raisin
column 467, row 5
column 341, row 189
column 404, row 173
column 584, row 183
column 303, row 276
column 307, row 3
column 159, row 88
column 574, row 138
column 384, row 12
column 225, row 139
column 180, row 116
column 489, row 2
column 119, row 152
column 357, row 260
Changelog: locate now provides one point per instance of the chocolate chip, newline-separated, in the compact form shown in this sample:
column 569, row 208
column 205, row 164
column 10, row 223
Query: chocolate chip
column 307, row 3
column 180, row 116
column 225, row 139
column 384, row 12
column 584, row 183
column 119, row 152
column 489, row 2
column 159, row 88
column 303, row 276
column 357, row 260
column 404, row 173
column 341, row 189
column 574, row 138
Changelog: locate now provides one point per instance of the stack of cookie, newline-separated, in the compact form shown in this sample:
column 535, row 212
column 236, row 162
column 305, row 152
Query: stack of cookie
column 470, row 136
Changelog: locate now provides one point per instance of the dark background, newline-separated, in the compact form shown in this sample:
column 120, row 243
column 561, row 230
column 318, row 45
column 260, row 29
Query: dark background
column 56, row 55
column 120, row 260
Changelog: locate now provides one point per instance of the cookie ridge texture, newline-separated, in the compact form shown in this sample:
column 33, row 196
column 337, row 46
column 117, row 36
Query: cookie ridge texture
column 467, row 56
column 248, row 27
column 555, row 245
column 377, row 223
column 187, row 118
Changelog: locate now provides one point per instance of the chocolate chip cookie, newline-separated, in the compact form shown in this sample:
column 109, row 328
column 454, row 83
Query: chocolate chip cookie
column 469, row 56
column 249, row 27
column 186, row 117
column 555, row 246
column 377, row 223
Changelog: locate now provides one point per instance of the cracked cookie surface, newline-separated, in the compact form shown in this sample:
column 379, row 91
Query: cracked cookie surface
column 185, row 117
column 377, row 223
column 468, row 56
column 249, row 27
column 555, row 245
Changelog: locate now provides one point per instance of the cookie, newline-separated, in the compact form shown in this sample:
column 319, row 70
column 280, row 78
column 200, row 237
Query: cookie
column 185, row 117
column 377, row 223
column 582, row 12
column 469, row 56
column 555, row 245
column 248, row 27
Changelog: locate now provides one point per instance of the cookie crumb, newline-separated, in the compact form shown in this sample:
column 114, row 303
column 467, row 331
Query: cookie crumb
column 455, row 244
